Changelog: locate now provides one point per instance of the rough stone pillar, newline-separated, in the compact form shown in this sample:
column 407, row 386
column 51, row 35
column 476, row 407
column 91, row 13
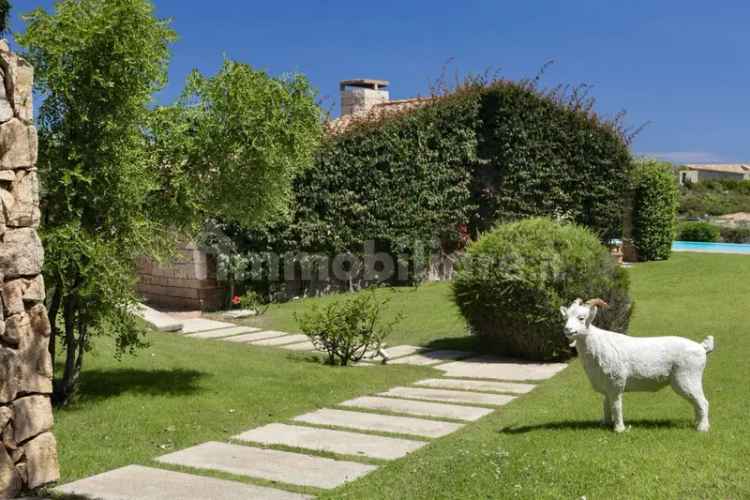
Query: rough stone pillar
column 28, row 451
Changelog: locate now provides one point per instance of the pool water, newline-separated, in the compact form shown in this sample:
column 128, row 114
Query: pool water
column 694, row 246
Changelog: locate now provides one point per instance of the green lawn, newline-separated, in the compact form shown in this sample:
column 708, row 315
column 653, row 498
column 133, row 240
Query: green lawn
column 550, row 445
column 547, row 444
column 181, row 392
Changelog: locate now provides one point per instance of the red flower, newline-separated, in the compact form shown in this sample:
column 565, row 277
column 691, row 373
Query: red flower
column 236, row 300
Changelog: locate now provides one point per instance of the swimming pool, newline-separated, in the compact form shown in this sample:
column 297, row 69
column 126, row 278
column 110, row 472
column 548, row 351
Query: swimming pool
column 694, row 246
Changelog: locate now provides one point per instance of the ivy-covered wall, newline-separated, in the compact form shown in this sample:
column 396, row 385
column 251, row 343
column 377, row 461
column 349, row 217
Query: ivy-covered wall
column 455, row 166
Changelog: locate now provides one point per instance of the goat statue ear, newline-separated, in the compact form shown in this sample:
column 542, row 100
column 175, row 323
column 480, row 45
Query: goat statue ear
column 564, row 312
column 592, row 314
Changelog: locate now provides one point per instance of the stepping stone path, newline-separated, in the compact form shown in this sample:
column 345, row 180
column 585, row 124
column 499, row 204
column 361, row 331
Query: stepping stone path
column 144, row 483
column 223, row 332
column 379, row 423
column 286, row 339
column 341, row 442
column 202, row 324
column 430, row 358
column 371, row 427
column 449, row 396
column 476, row 385
column 489, row 367
column 418, row 408
column 273, row 465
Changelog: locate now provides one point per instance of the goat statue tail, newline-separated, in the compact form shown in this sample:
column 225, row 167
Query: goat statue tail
column 708, row 344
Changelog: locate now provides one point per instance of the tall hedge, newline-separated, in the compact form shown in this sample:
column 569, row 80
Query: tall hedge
column 484, row 154
column 656, row 198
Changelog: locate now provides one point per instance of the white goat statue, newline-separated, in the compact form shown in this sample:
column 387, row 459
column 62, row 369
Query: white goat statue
column 616, row 363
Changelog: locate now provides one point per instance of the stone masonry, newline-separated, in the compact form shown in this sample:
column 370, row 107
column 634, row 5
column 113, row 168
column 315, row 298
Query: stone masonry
column 187, row 283
column 28, row 451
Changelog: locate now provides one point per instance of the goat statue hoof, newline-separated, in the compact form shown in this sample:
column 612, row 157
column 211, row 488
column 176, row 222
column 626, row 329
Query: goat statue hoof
column 619, row 428
column 703, row 427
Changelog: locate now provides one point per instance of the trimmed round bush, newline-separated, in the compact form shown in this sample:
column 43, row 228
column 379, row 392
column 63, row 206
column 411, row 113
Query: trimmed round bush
column 698, row 231
column 656, row 198
column 512, row 281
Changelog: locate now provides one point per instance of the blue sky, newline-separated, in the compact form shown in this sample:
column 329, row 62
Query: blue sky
column 682, row 65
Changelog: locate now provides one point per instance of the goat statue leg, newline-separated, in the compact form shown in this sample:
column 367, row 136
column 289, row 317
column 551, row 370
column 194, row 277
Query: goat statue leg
column 616, row 404
column 607, row 419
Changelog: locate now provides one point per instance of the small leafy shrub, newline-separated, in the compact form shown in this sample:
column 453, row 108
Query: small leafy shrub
column 656, row 198
column 739, row 234
column 513, row 280
column 254, row 301
column 347, row 329
column 698, row 231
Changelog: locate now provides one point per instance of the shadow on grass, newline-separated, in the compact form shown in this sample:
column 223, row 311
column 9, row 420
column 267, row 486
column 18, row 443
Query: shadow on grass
column 101, row 384
column 469, row 343
column 592, row 424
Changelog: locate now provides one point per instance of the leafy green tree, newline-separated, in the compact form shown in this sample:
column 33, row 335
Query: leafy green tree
column 231, row 146
column 97, row 63
column 121, row 179
column 4, row 16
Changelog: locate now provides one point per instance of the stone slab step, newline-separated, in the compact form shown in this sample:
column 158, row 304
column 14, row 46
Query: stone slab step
column 251, row 337
column 418, row 408
column 278, row 341
column 302, row 346
column 490, row 367
column 273, row 465
column 400, row 351
column 240, row 313
column 224, row 332
column 476, row 385
column 196, row 325
column 345, row 443
column 158, row 320
column 380, row 423
column 430, row 358
column 448, row 396
column 135, row 482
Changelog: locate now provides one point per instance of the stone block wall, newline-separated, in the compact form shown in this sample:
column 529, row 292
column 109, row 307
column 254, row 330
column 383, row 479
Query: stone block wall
column 188, row 283
column 28, row 451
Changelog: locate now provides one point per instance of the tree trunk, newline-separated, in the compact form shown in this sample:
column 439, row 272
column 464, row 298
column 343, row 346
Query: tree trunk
column 65, row 388
column 54, row 308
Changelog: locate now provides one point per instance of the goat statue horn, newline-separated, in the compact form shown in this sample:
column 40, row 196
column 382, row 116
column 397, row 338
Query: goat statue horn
column 597, row 303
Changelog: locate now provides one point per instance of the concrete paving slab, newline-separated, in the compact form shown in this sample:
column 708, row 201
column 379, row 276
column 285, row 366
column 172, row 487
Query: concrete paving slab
column 158, row 320
column 278, row 341
column 196, row 325
column 490, row 367
column 251, row 337
column 400, row 351
column 447, row 396
column 380, row 423
column 302, row 346
column 224, row 332
column 135, row 482
column 419, row 408
column 273, row 465
column 431, row 358
column 476, row 385
column 345, row 443
column 240, row 313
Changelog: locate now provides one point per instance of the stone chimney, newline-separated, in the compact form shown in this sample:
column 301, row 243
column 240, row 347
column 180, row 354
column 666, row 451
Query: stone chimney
column 359, row 96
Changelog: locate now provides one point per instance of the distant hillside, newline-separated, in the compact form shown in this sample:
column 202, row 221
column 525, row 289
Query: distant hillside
column 715, row 198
